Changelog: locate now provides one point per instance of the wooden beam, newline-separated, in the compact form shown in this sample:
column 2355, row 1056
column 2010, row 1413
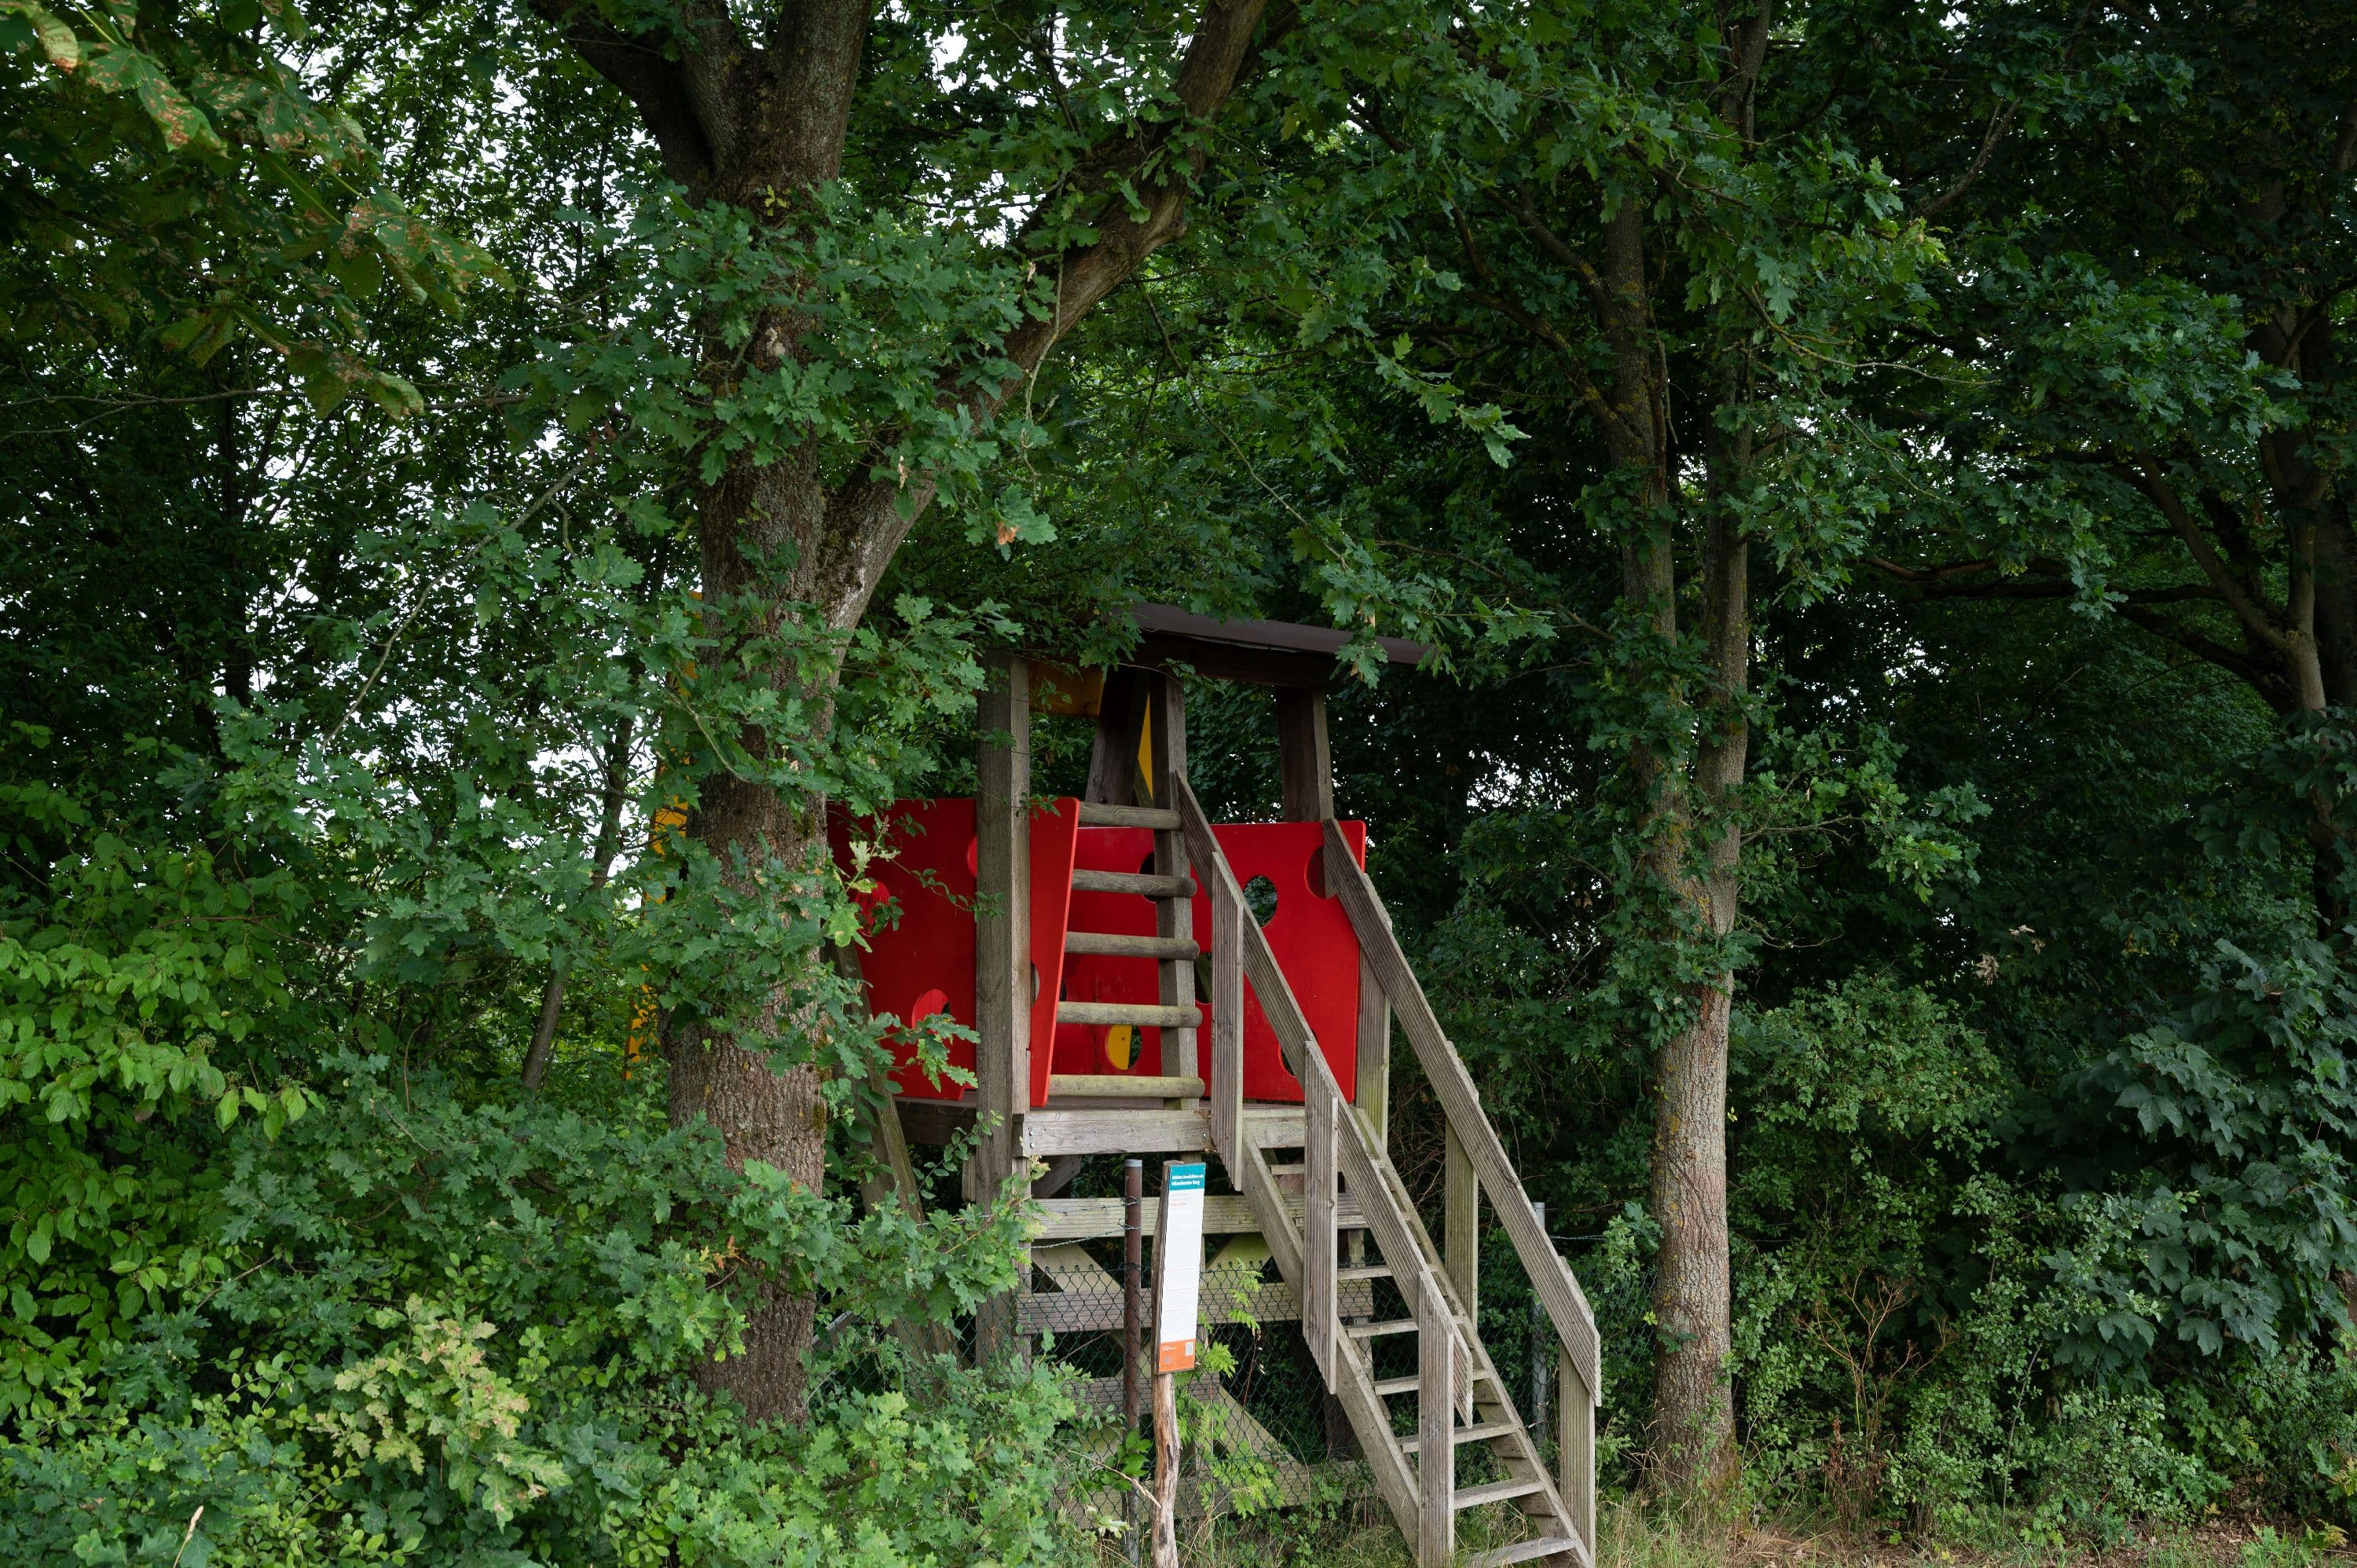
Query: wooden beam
column 1117, row 1129
column 1557, row 1290
column 1305, row 765
column 1126, row 1085
column 1099, row 1218
column 1089, row 1310
column 1268, row 652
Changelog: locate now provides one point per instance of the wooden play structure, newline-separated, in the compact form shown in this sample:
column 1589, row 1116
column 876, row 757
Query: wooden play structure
column 1068, row 935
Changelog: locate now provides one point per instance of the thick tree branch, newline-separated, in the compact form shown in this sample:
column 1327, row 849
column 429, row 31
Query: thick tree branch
column 657, row 88
column 2262, row 620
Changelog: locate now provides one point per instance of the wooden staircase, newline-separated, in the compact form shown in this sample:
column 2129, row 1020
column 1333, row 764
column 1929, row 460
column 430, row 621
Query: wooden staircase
column 1461, row 1406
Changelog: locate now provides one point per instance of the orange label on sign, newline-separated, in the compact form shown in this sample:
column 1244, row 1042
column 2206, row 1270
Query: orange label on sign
column 1175, row 1356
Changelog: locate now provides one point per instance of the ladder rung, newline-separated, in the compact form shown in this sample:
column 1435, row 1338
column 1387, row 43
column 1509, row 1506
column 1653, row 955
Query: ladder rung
column 1128, row 1012
column 1481, row 1433
column 1144, row 882
column 1377, row 1330
column 1499, row 1491
column 1364, row 1272
column 1128, row 1086
column 1289, row 1170
column 1097, row 814
column 1120, row 944
column 1524, row 1551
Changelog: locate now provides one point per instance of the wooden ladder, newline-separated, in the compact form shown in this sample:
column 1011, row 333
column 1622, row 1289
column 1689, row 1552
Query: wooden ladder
column 1173, row 946
column 1461, row 1401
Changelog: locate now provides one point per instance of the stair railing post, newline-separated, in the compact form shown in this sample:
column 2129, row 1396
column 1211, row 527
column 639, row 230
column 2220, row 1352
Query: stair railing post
column 1435, row 1403
column 1575, row 1449
column 1227, row 1085
column 1542, row 1343
column 1318, row 1315
column 1460, row 1221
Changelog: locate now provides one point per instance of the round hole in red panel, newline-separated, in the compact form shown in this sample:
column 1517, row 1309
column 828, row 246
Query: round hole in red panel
column 1260, row 897
column 1315, row 874
column 927, row 1004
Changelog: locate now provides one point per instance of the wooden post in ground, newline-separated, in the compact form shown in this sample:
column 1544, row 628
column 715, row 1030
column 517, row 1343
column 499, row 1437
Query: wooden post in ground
column 1166, row 1471
column 1002, row 938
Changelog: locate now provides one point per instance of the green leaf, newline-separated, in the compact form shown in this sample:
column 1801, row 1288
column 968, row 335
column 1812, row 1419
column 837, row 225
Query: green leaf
column 57, row 40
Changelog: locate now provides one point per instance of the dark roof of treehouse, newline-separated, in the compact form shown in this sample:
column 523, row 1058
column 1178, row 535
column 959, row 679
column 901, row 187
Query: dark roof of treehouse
column 1270, row 652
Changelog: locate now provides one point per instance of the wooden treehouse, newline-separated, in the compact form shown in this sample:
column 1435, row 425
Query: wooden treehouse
column 1069, row 934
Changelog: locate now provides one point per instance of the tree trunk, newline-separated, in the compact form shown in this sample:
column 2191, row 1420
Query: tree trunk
column 756, row 126
column 1692, row 1438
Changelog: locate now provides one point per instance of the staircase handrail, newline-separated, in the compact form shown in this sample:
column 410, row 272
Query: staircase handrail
column 1550, row 1278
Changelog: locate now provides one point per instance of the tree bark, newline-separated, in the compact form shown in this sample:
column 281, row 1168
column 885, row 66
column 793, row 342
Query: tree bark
column 758, row 126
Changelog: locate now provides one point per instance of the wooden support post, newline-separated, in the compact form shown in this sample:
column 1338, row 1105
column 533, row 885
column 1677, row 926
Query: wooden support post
column 1317, row 1238
column 1461, row 1223
column 1166, row 1471
column 1436, row 1404
column 1166, row 718
column 1305, row 766
column 1121, row 718
column 1575, row 1449
column 1003, row 974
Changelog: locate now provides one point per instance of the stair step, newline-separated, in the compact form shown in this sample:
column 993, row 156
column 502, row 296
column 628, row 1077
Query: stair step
column 1377, row 1330
column 1386, row 1387
column 1524, row 1551
column 1364, row 1272
column 1128, row 1012
column 1097, row 814
column 1497, row 1492
column 1120, row 944
column 1124, row 1085
column 1481, row 1433
column 1144, row 882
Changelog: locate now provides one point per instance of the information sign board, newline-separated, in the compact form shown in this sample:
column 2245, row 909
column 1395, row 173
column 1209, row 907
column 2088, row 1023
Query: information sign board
column 1177, row 1266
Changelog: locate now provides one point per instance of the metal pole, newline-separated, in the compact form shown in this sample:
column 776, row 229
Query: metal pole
column 1542, row 1351
column 1133, row 1200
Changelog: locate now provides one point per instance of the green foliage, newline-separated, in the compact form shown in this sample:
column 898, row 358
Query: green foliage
column 465, row 1332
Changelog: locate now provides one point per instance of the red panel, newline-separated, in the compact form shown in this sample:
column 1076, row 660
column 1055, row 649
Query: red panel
column 1310, row 937
column 1054, row 834
column 923, row 962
